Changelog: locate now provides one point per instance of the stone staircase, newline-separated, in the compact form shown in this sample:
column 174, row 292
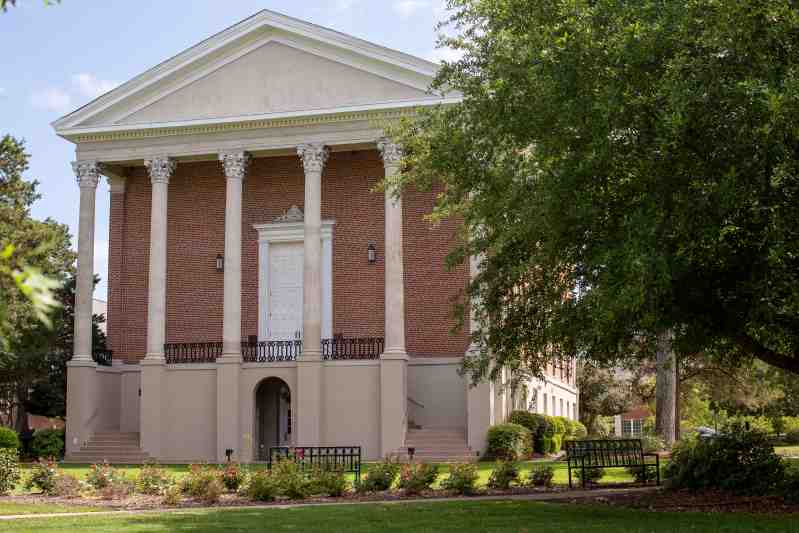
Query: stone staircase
column 437, row 445
column 112, row 447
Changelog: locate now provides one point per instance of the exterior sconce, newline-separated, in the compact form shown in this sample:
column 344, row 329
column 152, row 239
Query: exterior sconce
column 220, row 263
column 371, row 251
column 411, row 453
column 229, row 454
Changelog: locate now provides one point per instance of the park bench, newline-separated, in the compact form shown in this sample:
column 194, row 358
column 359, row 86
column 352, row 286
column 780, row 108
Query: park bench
column 586, row 455
column 346, row 458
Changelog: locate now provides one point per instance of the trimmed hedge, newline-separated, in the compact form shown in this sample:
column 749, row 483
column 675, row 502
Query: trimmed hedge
column 8, row 439
column 47, row 443
column 548, row 432
column 508, row 441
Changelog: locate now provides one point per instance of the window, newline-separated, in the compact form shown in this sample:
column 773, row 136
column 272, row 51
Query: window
column 632, row 428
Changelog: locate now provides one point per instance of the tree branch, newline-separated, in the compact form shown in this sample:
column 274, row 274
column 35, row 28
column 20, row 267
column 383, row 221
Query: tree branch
column 785, row 362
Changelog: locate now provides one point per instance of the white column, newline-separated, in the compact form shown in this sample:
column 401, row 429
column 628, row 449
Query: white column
column 313, row 158
column 235, row 165
column 160, row 170
column 309, row 365
column 394, row 270
column 88, row 175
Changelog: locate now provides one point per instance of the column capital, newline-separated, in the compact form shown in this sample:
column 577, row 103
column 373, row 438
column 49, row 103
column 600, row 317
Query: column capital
column 390, row 151
column 313, row 156
column 87, row 173
column 160, row 169
column 235, row 164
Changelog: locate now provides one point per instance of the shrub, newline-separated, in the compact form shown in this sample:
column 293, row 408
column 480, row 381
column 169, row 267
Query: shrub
column 789, row 488
column 47, row 443
column 329, row 481
column 153, row 479
column 195, row 483
column 102, row 475
column 761, row 424
column 380, row 477
column 533, row 421
column 503, row 475
column 592, row 475
column 42, row 476
column 544, row 446
column 232, row 476
column 261, row 486
column 559, row 426
column 416, row 478
column 555, row 444
column 737, row 460
column 8, row 439
column 577, row 430
column 66, row 486
column 213, row 491
column 291, row 480
column 541, row 476
column 651, row 443
column 172, row 494
column 792, row 437
column 508, row 441
column 790, row 424
column 9, row 469
column 643, row 474
column 462, row 478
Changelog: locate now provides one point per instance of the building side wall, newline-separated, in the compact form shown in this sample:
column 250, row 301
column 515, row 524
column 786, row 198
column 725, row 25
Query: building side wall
column 196, row 236
column 188, row 419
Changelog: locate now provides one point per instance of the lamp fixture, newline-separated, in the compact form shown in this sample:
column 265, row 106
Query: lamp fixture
column 371, row 252
column 220, row 263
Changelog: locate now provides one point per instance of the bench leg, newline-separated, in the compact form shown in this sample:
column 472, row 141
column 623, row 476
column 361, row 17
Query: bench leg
column 657, row 465
column 570, row 476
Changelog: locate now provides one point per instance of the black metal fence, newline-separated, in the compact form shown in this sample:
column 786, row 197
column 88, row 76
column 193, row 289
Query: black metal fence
column 270, row 351
column 346, row 458
column 192, row 352
column 352, row 348
column 103, row 357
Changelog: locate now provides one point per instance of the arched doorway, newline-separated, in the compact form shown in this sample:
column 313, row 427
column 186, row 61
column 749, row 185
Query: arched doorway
column 272, row 416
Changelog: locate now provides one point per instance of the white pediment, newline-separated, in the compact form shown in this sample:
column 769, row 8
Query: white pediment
column 267, row 65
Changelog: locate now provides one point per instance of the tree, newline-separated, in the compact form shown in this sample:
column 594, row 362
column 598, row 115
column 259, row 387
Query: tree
column 645, row 152
column 602, row 393
column 5, row 4
column 39, row 259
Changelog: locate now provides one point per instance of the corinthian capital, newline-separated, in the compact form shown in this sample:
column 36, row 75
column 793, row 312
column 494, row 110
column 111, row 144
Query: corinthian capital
column 313, row 156
column 87, row 173
column 235, row 164
column 160, row 169
column 391, row 152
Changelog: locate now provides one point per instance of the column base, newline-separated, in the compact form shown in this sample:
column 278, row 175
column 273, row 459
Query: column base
column 228, row 373
column 81, row 402
column 309, row 400
column 151, row 404
column 393, row 401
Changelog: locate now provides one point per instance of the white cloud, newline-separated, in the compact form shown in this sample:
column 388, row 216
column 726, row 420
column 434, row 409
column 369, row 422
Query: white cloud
column 444, row 54
column 344, row 5
column 406, row 8
column 52, row 99
column 89, row 86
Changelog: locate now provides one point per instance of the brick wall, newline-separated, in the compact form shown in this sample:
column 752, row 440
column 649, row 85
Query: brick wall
column 196, row 235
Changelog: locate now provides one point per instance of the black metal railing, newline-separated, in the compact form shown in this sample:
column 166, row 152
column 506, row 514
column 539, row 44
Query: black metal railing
column 346, row 458
column 103, row 357
column 192, row 352
column 339, row 348
column 270, row 351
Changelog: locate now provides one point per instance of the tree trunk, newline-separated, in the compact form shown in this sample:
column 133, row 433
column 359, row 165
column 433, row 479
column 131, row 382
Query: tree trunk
column 677, row 399
column 666, row 389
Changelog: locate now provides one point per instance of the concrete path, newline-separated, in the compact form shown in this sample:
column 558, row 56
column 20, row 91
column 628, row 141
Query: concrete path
column 534, row 497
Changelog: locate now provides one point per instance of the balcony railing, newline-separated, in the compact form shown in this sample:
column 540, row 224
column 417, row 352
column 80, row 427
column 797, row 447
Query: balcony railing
column 338, row 348
column 271, row 351
column 103, row 357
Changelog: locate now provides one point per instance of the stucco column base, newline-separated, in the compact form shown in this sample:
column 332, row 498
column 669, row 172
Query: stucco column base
column 479, row 414
column 308, row 421
column 152, row 405
column 228, row 372
column 81, row 403
column 393, row 401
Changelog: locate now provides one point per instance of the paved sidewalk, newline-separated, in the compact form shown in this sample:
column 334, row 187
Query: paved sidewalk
column 535, row 497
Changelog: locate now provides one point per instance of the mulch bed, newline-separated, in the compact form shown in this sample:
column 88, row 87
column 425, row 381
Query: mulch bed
column 710, row 501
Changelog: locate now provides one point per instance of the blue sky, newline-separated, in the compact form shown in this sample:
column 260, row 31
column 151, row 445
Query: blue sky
column 60, row 57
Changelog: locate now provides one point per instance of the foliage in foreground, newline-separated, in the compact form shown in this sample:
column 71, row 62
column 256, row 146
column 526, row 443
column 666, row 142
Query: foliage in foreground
column 9, row 469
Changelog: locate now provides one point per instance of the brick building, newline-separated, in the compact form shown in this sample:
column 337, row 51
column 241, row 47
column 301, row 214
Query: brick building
column 261, row 291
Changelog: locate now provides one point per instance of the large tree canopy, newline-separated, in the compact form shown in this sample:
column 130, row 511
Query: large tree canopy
column 645, row 152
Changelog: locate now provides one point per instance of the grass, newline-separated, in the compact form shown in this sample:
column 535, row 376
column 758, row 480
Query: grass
column 460, row 517
column 11, row 508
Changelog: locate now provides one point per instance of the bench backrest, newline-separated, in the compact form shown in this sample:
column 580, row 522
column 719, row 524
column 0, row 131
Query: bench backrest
column 347, row 458
column 604, row 453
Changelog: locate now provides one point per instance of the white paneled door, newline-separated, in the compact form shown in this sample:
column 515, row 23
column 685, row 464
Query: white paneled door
column 285, row 290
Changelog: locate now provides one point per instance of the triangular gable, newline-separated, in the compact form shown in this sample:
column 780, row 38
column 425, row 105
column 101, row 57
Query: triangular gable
column 266, row 65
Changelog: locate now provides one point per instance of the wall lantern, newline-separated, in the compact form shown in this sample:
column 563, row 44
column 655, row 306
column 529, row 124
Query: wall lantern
column 220, row 263
column 371, row 251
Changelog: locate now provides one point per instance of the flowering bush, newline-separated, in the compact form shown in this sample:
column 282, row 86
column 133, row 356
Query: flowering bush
column 504, row 473
column 152, row 479
column 232, row 476
column 380, row 476
column 541, row 476
column 416, row 478
column 196, row 482
column 9, row 469
column 329, row 481
column 66, row 486
column 462, row 478
column 42, row 476
column 261, row 486
column 172, row 494
column 102, row 475
column 291, row 480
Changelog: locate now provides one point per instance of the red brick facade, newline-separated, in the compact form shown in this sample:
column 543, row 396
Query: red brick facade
column 196, row 221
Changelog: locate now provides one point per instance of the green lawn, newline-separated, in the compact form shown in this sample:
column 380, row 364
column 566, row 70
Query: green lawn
column 461, row 517
column 9, row 508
